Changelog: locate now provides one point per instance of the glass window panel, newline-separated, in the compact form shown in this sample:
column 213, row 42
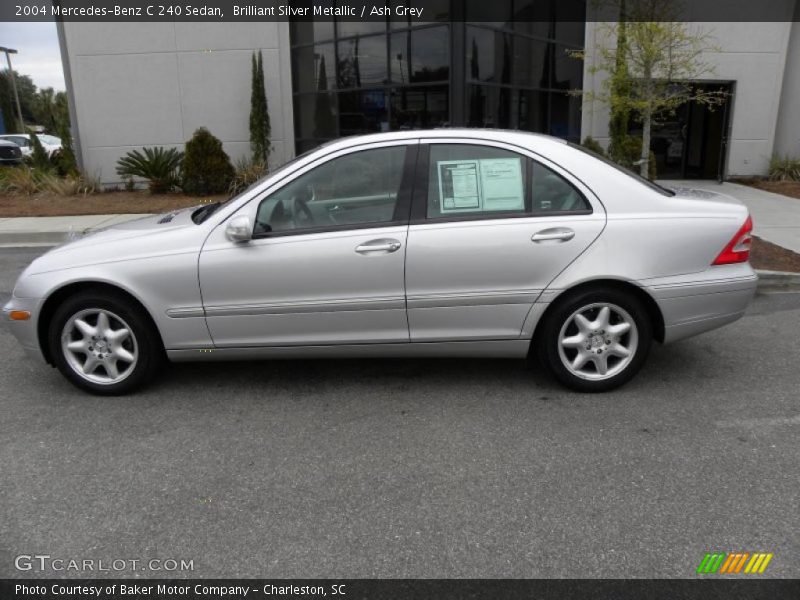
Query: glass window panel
column 314, row 68
column 570, row 22
column 565, row 116
column 531, row 109
column 530, row 63
column 489, row 106
column 350, row 28
column 553, row 194
column 420, row 107
column 315, row 115
column 419, row 56
column 567, row 70
column 363, row 112
column 362, row 62
column 495, row 13
column 308, row 32
column 466, row 179
column 358, row 188
column 488, row 56
column 435, row 10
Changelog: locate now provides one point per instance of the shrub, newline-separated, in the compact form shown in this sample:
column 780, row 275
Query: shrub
column 71, row 185
column 158, row 166
column 39, row 159
column 206, row 168
column 784, row 168
column 247, row 173
column 628, row 153
column 21, row 181
column 592, row 144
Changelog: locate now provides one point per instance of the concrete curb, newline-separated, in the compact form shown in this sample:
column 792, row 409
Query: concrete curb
column 778, row 280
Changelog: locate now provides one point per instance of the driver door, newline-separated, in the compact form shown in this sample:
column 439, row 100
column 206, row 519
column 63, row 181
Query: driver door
column 326, row 262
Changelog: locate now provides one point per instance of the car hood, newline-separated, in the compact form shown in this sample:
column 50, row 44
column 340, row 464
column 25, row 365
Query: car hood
column 151, row 235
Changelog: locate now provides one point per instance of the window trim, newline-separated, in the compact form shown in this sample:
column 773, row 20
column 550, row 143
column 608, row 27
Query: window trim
column 419, row 203
column 402, row 207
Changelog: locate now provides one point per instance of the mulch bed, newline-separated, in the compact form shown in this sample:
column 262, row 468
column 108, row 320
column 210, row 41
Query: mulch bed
column 49, row 205
column 768, row 256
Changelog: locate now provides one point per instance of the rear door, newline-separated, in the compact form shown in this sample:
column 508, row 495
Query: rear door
column 491, row 227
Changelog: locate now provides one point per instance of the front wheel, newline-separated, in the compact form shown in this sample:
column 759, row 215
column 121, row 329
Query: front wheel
column 595, row 341
column 103, row 344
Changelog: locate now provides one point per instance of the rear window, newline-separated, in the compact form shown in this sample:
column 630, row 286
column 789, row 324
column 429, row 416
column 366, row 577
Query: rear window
column 633, row 175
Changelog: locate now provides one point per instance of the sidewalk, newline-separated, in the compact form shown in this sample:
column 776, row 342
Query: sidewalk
column 50, row 231
column 776, row 218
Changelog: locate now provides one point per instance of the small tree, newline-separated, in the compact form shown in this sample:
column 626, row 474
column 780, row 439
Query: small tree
column 260, row 128
column 206, row 168
column 651, row 67
column 39, row 157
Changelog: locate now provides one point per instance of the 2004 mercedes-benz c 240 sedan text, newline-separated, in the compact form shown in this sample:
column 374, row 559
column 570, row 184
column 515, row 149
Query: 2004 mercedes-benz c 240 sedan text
column 415, row 243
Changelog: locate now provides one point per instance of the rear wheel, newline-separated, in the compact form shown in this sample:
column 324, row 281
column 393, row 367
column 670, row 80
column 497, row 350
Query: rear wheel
column 103, row 344
column 596, row 340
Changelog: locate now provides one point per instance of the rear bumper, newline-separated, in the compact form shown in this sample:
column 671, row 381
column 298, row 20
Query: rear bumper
column 717, row 297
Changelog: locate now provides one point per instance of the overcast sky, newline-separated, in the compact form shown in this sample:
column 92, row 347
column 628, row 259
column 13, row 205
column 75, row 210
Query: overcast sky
column 38, row 52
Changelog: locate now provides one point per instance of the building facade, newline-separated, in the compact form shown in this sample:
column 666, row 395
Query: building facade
column 137, row 84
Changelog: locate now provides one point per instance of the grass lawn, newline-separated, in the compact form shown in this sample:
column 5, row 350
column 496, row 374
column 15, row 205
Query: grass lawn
column 49, row 205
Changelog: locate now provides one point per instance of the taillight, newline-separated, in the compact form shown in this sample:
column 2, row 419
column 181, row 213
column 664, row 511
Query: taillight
column 738, row 249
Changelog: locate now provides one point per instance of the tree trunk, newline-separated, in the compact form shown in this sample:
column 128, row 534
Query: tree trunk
column 644, row 166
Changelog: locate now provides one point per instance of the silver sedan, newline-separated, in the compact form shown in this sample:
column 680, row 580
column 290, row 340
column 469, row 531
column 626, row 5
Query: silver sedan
column 416, row 243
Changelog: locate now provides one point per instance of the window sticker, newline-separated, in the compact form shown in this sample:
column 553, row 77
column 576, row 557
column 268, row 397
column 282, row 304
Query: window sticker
column 489, row 185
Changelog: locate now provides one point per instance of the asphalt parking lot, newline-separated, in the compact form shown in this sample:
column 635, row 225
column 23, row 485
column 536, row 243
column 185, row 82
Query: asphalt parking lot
column 412, row 468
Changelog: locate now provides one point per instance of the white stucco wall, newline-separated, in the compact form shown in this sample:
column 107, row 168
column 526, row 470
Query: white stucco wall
column 145, row 84
column 787, row 135
column 753, row 56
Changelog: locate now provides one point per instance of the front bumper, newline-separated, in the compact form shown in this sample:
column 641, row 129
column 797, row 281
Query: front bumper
column 25, row 331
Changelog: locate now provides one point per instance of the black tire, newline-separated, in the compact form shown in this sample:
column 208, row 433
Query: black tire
column 145, row 339
column 548, row 342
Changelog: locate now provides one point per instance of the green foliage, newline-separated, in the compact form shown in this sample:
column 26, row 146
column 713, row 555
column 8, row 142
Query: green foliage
column 628, row 152
column 159, row 166
column 260, row 127
column 26, row 90
column 247, row 173
column 22, row 181
column 206, row 168
column 784, row 168
column 592, row 144
column 39, row 158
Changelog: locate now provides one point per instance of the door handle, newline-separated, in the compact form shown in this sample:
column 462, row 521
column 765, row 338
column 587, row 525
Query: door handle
column 386, row 246
column 555, row 234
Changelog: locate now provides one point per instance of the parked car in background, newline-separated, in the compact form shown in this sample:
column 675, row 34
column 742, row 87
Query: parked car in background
column 10, row 153
column 51, row 143
column 414, row 243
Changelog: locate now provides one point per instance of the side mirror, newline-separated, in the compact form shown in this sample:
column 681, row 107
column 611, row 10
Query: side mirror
column 239, row 229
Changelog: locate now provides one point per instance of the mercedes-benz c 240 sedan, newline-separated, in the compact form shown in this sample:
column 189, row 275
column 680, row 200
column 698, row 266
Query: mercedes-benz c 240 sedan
column 416, row 243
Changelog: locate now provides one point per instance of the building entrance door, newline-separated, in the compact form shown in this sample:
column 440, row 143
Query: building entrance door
column 692, row 143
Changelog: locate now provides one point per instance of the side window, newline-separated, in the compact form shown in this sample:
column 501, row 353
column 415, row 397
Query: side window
column 466, row 179
column 554, row 194
column 354, row 189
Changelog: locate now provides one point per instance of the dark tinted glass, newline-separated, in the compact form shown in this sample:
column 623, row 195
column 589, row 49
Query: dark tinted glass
column 419, row 107
column 315, row 115
column 363, row 112
column 314, row 68
column 488, row 56
column 531, row 109
column 351, row 28
column 362, row 62
column 565, row 116
column 568, row 70
column 489, row 106
column 421, row 55
column 530, row 63
column 553, row 194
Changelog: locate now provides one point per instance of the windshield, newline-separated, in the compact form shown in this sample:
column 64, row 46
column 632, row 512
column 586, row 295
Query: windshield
column 202, row 213
column 651, row 184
